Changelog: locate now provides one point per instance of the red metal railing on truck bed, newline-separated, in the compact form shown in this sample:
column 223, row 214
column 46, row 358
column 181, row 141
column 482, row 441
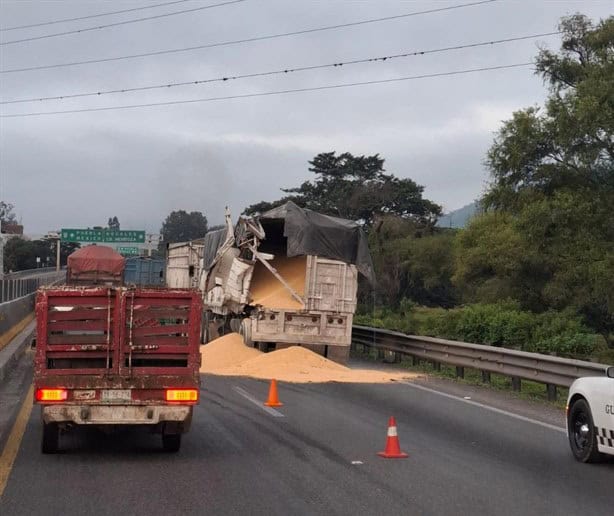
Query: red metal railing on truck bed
column 123, row 332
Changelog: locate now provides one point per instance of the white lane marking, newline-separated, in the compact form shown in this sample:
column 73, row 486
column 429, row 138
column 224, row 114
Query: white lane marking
column 357, row 462
column 492, row 409
column 249, row 397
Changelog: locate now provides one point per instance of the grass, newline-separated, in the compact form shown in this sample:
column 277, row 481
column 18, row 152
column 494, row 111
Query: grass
column 531, row 391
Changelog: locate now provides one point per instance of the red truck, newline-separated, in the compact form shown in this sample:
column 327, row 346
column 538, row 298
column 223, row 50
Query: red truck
column 112, row 355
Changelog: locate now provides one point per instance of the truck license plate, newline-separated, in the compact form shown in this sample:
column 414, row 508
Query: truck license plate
column 116, row 395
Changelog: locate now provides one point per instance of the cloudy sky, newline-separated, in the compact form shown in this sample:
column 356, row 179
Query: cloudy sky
column 78, row 169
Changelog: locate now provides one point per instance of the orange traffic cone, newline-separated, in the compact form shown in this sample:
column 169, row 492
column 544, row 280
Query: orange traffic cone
column 393, row 449
column 273, row 400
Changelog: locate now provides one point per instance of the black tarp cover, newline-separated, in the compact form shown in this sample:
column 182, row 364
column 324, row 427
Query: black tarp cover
column 309, row 232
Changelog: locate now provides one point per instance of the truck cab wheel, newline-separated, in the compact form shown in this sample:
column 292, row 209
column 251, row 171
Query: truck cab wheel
column 582, row 433
column 51, row 438
column 171, row 442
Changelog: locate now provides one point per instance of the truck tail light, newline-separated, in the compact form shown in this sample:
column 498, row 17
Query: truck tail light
column 51, row 394
column 181, row 395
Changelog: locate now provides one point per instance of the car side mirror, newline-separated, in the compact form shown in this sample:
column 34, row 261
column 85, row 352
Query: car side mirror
column 609, row 372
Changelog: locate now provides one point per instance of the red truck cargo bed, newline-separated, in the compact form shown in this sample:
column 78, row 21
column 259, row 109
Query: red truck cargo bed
column 118, row 356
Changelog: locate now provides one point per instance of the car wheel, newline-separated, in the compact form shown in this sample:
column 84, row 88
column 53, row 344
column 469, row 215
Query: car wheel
column 582, row 432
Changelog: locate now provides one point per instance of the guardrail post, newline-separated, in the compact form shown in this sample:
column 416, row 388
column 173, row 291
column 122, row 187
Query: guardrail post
column 460, row 372
column 486, row 376
column 551, row 390
column 381, row 354
column 516, row 383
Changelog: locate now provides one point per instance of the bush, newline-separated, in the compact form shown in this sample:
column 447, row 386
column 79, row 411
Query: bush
column 571, row 345
column 551, row 324
column 500, row 324
column 605, row 356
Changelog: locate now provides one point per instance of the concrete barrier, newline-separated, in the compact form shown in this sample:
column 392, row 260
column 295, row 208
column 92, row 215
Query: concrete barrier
column 13, row 312
column 11, row 354
column 12, row 341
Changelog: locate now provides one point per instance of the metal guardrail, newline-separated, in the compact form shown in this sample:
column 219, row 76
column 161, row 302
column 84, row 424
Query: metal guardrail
column 29, row 273
column 14, row 288
column 550, row 370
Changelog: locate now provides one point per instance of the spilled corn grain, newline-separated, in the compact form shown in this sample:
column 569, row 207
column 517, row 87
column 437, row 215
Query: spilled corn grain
column 228, row 356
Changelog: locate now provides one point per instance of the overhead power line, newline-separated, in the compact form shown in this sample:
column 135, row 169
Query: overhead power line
column 125, row 22
column 248, row 40
column 78, row 18
column 268, row 93
column 280, row 71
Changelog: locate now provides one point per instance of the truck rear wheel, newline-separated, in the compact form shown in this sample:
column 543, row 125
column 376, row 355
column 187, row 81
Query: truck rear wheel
column 171, row 442
column 246, row 332
column 582, row 432
column 51, row 438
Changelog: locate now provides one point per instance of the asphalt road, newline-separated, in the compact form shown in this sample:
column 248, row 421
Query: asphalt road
column 319, row 458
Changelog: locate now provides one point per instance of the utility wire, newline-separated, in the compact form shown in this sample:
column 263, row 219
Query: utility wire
column 281, row 71
column 53, row 22
column 125, row 22
column 269, row 93
column 248, row 40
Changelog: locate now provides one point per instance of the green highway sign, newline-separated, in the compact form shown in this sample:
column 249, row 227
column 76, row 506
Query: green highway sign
column 128, row 250
column 102, row 235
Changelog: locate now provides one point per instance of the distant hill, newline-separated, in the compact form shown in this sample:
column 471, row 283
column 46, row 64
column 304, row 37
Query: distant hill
column 459, row 218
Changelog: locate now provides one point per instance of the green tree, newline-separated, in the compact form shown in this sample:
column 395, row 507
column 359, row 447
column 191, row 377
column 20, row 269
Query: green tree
column 66, row 249
column 412, row 263
column 570, row 143
column 113, row 223
column 21, row 254
column 181, row 226
column 548, row 239
column 357, row 188
column 6, row 212
column 494, row 262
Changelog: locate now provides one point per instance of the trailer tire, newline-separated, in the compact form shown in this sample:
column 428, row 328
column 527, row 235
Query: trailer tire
column 246, row 332
column 582, row 432
column 171, row 442
column 235, row 325
column 50, row 440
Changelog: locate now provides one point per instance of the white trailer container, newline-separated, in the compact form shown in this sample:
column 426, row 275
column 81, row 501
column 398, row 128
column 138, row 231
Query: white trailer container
column 183, row 264
column 322, row 323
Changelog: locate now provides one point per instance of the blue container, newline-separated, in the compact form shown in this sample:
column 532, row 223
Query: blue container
column 144, row 271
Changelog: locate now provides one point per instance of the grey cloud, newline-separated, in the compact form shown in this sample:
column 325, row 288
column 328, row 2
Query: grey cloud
column 141, row 164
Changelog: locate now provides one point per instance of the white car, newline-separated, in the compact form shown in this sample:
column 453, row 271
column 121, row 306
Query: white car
column 590, row 417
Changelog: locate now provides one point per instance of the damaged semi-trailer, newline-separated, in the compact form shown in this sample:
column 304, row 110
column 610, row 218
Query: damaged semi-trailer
column 286, row 277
